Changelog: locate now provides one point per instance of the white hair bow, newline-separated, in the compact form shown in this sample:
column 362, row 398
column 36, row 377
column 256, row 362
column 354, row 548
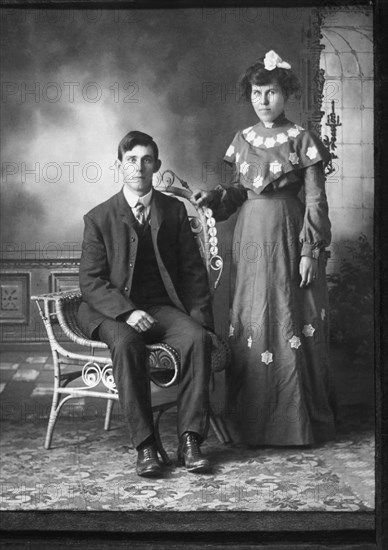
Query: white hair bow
column 273, row 60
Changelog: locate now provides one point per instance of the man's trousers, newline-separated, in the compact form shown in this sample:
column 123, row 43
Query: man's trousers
column 127, row 347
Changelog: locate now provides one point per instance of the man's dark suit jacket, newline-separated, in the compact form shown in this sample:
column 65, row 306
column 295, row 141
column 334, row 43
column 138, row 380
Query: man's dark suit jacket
column 109, row 256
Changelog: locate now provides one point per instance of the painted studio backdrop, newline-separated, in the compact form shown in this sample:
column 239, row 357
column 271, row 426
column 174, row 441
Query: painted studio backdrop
column 76, row 81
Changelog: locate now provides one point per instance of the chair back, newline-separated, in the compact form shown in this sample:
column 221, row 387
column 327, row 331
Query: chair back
column 202, row 224
column 204, row 228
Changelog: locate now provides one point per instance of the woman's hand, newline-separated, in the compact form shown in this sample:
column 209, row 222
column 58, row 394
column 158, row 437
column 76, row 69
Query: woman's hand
column 308, row 269
column 202, row 198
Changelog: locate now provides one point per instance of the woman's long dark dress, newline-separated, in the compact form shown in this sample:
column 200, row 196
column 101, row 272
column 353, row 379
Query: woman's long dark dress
column 279, row 387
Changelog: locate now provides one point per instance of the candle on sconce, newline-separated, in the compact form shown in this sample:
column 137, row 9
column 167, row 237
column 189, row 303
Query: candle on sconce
column 333, row 120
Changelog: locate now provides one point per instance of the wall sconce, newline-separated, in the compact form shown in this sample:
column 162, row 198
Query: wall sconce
column 333, row 121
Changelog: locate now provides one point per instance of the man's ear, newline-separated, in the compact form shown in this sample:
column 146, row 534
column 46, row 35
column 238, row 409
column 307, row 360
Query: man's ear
column 158, row 164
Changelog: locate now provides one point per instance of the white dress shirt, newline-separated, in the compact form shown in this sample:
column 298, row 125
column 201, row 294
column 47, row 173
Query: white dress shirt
column 133, row 200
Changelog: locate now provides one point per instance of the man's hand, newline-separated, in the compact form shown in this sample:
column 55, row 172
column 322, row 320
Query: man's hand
column 308, row 269
column 140, row 320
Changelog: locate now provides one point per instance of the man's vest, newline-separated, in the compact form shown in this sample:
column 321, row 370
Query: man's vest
column 147, row 284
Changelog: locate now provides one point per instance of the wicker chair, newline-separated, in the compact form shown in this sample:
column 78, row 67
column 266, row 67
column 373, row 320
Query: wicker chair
column 60, row 309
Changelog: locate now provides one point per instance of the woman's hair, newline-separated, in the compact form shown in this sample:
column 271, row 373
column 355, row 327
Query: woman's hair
column 258, row 75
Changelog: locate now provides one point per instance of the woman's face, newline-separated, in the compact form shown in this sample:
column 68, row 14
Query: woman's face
column 268, row 101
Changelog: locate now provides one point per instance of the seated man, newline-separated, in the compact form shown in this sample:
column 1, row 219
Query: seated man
column 143, row 281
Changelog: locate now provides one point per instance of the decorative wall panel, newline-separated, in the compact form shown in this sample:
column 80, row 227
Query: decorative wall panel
column 14, row 297
column 20, row 322
column 63, row 280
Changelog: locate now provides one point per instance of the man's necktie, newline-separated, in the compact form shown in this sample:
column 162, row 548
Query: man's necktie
column 140, row 213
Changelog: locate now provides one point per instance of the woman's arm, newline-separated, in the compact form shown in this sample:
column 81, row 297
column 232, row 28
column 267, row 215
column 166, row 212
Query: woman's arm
column 316, row 231
column 223, row 200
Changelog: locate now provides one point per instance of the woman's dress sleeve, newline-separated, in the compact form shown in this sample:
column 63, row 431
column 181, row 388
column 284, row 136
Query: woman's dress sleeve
column 235, row 194
column 316, row 230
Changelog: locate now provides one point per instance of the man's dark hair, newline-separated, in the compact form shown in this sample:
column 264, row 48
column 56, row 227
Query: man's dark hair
column 136, row 138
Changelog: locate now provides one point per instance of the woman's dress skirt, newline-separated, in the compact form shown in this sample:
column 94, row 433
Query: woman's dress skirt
column 279, row 386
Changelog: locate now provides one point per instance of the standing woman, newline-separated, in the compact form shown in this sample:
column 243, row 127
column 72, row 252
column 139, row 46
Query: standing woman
column 279, row 388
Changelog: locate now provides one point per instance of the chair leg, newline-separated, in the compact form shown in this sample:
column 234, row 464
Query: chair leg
column 217, row 431
column 52, row 420
column 108, row 413
column 225, row 432
column 159, row 445
column 55, row 410
column 219, row 428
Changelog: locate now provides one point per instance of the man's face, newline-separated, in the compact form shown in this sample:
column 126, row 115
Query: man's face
column 137, row 166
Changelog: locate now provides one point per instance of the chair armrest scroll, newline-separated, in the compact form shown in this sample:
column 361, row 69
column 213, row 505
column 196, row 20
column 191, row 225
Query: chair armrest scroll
column 66, row 304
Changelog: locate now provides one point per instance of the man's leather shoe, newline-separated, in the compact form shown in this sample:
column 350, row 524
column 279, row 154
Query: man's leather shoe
column 189, row 454
column 148, row 464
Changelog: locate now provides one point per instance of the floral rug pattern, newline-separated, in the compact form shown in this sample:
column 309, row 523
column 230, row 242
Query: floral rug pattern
column 90, row 469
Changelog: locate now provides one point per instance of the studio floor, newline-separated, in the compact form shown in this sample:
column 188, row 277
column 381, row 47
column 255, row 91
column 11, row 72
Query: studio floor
column 88, row 468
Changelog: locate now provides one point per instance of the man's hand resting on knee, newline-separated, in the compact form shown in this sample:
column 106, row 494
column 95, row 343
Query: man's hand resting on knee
column 140, row 320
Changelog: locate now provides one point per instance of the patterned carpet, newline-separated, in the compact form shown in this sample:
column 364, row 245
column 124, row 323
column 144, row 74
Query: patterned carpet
column 90, row 469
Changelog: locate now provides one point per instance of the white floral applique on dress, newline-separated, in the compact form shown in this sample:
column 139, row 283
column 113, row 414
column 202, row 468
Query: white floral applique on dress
column 312, row 152
column 295, row 342
column 308, row 330
column 267, row 357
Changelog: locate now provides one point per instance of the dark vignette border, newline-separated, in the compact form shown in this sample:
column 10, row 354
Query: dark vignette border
column 245, row 530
